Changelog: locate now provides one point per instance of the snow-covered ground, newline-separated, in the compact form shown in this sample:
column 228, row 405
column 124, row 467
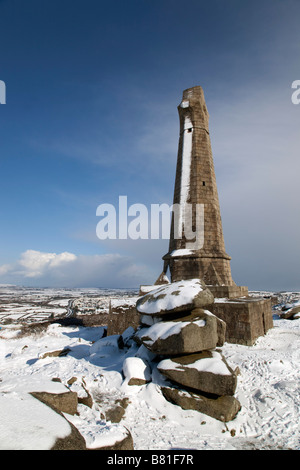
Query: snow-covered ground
column 30, row 305
column 268, row 390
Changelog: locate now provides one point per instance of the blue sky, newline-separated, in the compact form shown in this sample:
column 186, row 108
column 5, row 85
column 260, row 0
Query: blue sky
column 91, row 114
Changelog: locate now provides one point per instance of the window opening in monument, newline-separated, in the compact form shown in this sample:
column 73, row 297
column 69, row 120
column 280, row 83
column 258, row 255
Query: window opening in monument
column 190, row 129
column 203, row 183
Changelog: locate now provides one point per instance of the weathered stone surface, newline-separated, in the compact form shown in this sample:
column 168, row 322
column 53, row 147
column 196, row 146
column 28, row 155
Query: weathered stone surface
column 246, row 319
column 162, row 279
column 192, row 333
column 224, row 408
column 122, row 316
column 228, row 292
column 64, row 402
column 221, row 326
column 149, row 320
column 57, row 353
column 117, row 411
column 112, row 407
column 206, row 372
column 209, row 260
column 74, row 441
column 205, row 256
column 176, row 297
column 87, row 400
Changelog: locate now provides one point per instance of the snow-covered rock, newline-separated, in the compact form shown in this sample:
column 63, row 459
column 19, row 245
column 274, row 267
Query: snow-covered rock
column 290, row 310
column 175, row 297
column 145, row 354
column 98, row 434
column 136, row 371
column 222, row 408
column 127, row 335
column 189, row 334
column 207, row 372
column 107, row 345
column 28, row 424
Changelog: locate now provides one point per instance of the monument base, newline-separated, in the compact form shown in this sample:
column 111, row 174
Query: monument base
column 229, row 292
column 212, row 269
column 246, row 318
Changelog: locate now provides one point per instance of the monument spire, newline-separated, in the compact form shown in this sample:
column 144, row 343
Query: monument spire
column 195, row 186
column 196, row 248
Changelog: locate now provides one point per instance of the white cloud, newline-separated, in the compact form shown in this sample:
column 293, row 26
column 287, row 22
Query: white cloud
column 69, row 270
column 36, row 263
column 4, row 269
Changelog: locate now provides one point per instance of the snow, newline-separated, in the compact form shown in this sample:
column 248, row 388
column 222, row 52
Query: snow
column 149, row 320
column 186, row 170
column 268, row 390
column 171, row 296
column 213, row 364
column 147, row 289
column 95, row 432
column 163, row 330
column 135, row 367
column 21, row 304
column 181, row 252
column 123, row 302
column 145, row 354
column 27, row 424
column 184, row 104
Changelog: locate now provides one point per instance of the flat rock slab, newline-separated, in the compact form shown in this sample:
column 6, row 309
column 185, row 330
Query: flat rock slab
column 198, row 331
column 205, row 372
column 224, row 408
column 65, row 402
column 175, row 297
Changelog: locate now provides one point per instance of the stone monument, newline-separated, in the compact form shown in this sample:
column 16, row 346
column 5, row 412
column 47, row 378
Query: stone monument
column 195, row 183
column 205, row 257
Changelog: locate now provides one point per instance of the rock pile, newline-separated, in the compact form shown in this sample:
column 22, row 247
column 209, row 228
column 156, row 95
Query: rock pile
column 290, row 310
column 176, row 325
